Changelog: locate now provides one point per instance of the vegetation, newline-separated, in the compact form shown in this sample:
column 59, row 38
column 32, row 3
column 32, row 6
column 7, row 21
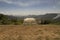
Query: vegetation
column 5, row 20
column 45, row 21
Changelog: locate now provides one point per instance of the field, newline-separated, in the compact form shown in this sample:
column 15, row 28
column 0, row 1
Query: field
column 32, row 32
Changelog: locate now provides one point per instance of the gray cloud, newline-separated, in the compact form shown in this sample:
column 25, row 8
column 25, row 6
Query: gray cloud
column 25, row 3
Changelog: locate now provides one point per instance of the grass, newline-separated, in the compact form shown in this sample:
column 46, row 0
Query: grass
column 35, row 32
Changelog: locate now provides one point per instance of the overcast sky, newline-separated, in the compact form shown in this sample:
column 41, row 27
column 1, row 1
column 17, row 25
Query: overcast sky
column 29, row 7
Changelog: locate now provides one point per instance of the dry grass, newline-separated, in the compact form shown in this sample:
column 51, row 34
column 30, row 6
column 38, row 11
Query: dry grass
column 36, row 32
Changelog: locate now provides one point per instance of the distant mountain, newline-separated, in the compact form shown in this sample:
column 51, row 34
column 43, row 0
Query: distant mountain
column 57, row 18
column 46, row 16
column 15, row 17
column 8, row 19
column 49, row 16
column 11, row 17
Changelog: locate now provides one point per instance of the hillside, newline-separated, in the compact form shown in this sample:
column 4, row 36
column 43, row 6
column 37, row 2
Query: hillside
column 46, row 16
column 16, row 20
column 49, row 16
column 9, row 20
column 36, row 32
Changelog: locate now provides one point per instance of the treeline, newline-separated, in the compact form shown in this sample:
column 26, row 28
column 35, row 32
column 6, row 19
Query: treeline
column 49, row 21
column 5, row 20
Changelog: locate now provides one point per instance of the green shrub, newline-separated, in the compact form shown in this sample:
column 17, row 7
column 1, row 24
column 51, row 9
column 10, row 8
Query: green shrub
column 45, row 21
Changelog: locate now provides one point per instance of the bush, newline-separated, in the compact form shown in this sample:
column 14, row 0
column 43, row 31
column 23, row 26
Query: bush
column 17, row 22
column 5, row 20
column 45, row 21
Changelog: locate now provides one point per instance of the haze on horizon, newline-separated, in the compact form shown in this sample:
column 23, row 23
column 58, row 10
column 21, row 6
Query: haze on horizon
column 29, row 7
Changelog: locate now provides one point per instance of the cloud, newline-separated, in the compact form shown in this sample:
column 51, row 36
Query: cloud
column 29, row 12
column 26, row 3
column 43, row 5
column 7, row 1
column 58, row 3
column 22, row 3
